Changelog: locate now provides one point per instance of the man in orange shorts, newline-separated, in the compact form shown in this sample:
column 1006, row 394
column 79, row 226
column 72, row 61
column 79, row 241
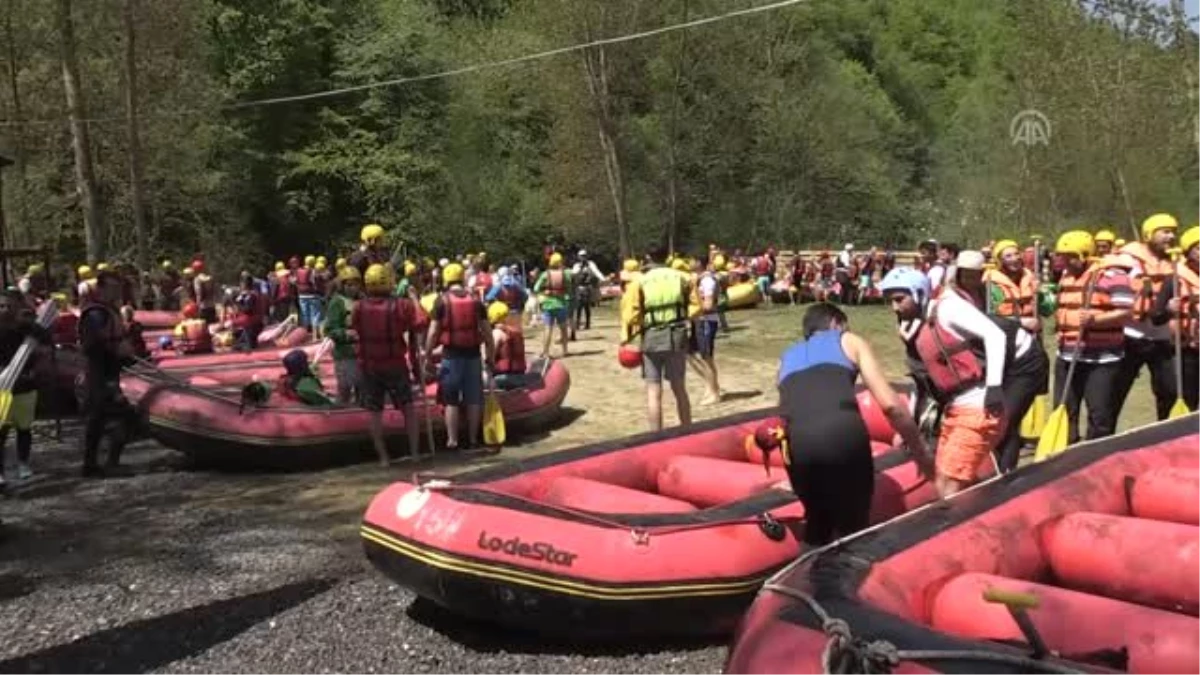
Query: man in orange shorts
column 959, row 354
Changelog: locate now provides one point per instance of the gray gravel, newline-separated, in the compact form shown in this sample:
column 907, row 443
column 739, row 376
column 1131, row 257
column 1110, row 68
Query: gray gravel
column 178, row 571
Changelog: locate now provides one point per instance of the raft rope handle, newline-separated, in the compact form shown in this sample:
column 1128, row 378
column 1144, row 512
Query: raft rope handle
column 844, row 653
column 640, row 534
column 156, row 376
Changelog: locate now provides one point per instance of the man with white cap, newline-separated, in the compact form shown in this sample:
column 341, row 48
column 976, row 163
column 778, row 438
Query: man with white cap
column 587, row 278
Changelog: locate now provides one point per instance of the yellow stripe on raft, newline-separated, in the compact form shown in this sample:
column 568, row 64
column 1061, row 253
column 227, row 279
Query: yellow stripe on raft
column 576, row 588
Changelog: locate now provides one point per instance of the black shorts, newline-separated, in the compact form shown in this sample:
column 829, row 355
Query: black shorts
column 376, row 386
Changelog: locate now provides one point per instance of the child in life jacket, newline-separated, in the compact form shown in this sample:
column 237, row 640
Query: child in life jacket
column 191, row 334
column 510, row 370
column 298, row 384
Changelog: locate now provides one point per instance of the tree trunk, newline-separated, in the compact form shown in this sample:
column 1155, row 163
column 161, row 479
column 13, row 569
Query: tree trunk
column 672, row 158
column 596, row 66
column 85, row 178
column 14, row 209
column 135, row 142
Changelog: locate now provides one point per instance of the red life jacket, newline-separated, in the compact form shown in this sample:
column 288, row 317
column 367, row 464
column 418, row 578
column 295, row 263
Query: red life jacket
column 304, row 282
column 510, row 355
column 461, row 329
column 283, row 290
column 954, row 365
column 250, row 310
column 556, row 283
column 483, row 281
column 382, row 324
column 509, row 295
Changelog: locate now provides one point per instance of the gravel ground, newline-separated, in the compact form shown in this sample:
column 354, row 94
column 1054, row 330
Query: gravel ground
column 178, row 571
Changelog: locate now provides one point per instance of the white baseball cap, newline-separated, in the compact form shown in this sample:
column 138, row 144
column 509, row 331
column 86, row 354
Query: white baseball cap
column 969, row 260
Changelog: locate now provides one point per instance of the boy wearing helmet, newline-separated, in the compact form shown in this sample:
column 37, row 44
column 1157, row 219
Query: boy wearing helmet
column 346, row 290
column 661, row 296
column 1148, row 338
column 510, row 348
column 960, row 356
column 370, row 252
column 460, row 325
column 385, row 329
column 1094, row 302
column 553, row 288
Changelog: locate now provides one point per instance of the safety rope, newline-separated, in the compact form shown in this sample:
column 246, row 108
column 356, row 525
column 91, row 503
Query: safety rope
column 597, row 519
column 845, row 653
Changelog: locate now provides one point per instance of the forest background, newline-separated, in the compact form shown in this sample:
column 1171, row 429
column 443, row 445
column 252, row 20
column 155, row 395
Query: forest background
column 138, row 132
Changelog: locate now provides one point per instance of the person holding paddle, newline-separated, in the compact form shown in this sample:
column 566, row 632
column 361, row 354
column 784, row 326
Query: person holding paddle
column 17, row 323
column 106, row 346
column 1094, row 302
column 1179, row 302
column 960, row 355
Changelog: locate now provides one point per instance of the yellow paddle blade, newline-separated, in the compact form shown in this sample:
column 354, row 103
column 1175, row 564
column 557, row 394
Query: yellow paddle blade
column 1179, row 409
column 494, row 432
column 1054, row 435
column 5, row 404
column 1035, row 419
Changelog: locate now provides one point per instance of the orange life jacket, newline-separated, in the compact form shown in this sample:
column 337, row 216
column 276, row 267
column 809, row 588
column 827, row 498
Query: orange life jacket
column 461, row 329
column 1071, row 292
column 1189, row 306
column 1155, row 271
column 510, row 355
column 382, row 324
column 195, row 338
column 556, row 283
column 1018, row 295
column 954, row 365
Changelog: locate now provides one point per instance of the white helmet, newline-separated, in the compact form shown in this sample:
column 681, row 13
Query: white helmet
column 970, row 260
column 443, row 262
column 582, row 253
column 849, row 247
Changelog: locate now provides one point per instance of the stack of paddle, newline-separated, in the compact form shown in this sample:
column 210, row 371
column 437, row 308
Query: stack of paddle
column 46, row 316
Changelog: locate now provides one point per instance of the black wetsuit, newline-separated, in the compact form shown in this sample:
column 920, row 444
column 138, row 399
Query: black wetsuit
column 830, row 467
column 101, row 335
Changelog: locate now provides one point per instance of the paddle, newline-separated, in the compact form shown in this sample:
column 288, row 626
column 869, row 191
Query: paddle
column 423, row 401
column 1180, row 408
column 494, row 431
column 1035, row 418
column 1055, row 435
column 47, row 313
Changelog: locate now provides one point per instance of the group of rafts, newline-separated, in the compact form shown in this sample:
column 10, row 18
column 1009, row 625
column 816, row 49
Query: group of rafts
column 1087, row 562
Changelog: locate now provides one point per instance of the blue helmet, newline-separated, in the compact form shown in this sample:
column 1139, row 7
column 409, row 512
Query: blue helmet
column 164, row 342
column 296, row 362
column 909, row 280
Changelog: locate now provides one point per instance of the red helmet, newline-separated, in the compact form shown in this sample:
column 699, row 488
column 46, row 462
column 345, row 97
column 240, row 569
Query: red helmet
column 190, row 311
column 197, row 266
column 629, row 356
column 769, row 434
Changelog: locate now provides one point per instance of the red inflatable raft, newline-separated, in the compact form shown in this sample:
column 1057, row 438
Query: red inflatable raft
column 657, row 534
column 1098, row 545
column 211, row 426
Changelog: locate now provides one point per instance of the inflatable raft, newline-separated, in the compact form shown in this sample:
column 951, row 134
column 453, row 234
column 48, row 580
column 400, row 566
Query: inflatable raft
column 214, row 429
column 744, row 295
column 668, row 533
column 1098, row 546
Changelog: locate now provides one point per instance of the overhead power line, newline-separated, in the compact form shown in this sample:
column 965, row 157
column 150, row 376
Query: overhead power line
column 454, row 72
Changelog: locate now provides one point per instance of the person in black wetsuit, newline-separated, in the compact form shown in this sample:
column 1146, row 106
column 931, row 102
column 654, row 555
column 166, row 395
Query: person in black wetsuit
column 830, row 464
column 105, row 343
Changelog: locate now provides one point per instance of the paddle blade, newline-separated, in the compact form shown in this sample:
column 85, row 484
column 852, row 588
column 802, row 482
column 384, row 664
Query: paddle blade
column 494, row 432
column 1035, row 419
column 5, row 405
column 1179, row 409
column 1054, row 435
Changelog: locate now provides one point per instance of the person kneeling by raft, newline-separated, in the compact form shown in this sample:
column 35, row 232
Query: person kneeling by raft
column 510, row 350
column 191, row 334
column 828, row 455
column 298, row 384
column 958, row 355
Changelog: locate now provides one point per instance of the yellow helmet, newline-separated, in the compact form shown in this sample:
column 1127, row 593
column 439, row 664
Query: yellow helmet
column 84, row 272
column 188, row 271
column 59, row 297
column 1118, row 243
column 497, row 312
column 378, row 278
column 1190, row 238
column 102, row 267
column 310, row 260
column 410, row 268
column 452, row 274
column 680, row 264
column 339, row 263
column 1003, row 245
column 630, row 265
column 322, row 259
column 279, row 266
column 320, row 265
column 350, row 273
column 35, row 268
column 372, row 232
column 1079, row 242
column 719, row 263
column 1105, row 235
column 167, row 264
column 1156, row 222
column 556, row 260
column 670, row 262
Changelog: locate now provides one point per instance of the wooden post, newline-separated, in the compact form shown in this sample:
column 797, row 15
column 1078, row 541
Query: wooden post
column 4, row 271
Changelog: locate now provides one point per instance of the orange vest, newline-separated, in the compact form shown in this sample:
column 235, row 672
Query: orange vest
column 1018, row 295
column 1189, row 301
column 1155, row 271
column 1071, row 292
